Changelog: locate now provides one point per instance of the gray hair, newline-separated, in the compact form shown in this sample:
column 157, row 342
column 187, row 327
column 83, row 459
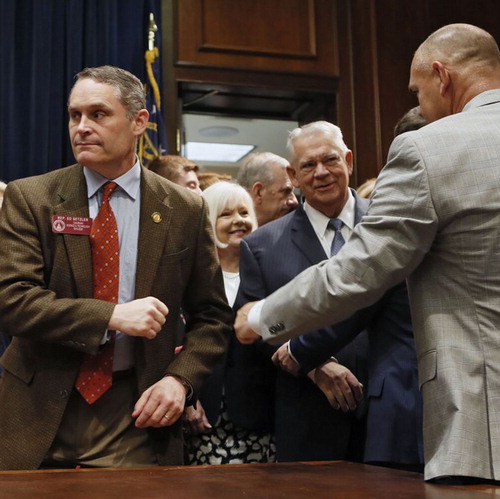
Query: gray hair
column 333, row 132
column 219, row 195
column 257, row 168
column 129, row 89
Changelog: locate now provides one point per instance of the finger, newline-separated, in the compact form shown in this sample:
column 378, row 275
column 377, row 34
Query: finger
column 276, row 358
column 150, row 334
column 150, row 413
column 341, row 402
column 158, row 316
column 139, row 406
column 358, row 392
column 348, row 397
column 356, row 387
column 162, row 308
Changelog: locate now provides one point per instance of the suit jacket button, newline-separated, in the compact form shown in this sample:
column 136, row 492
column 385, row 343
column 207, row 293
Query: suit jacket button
column 64, row 394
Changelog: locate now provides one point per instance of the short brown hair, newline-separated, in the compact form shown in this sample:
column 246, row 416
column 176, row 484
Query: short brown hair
column 172, row 166
column 130, row 90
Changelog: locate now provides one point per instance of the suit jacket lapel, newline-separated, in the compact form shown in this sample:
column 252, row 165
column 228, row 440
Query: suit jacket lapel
column 360, row 207
column 304, row 237
column 155, row 221
column 74, row 202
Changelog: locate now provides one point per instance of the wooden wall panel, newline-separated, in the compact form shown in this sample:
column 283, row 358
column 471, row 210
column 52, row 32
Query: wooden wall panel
column 295, row 36
column 359, row 50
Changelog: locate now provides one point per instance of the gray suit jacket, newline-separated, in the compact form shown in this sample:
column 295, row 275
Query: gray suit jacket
column 47, row 304
column 435, row 217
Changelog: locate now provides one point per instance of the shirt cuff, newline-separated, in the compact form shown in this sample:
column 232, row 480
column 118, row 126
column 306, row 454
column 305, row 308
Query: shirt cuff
column 254, row 316
column 290, row 353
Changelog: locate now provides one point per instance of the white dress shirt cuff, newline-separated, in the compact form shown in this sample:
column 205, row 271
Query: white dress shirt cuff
column 289, row 350
column 254, row 316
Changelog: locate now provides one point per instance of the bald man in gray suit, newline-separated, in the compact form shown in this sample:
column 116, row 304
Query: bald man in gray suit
column 434, row 218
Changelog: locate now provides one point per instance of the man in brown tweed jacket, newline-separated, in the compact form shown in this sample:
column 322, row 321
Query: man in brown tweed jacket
column 167, row 260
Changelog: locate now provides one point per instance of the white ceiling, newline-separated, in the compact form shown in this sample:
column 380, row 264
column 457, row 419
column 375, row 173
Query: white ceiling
column 266, row 135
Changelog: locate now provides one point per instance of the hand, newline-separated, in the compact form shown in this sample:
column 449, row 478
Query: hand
column 283, row 359
column 244, row 332
column 161, row 404
column 341, row 387
column 143, row 317
column 195, row 420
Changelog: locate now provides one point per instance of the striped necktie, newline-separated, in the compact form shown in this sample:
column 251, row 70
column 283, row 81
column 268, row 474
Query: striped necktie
column 338, row 240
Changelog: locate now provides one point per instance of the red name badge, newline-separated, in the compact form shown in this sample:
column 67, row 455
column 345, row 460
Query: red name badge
column 71, row 225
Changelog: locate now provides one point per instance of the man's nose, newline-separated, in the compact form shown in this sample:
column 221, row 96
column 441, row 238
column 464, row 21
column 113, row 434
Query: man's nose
column 320, row 170
column 291, row 200
column 83, row 125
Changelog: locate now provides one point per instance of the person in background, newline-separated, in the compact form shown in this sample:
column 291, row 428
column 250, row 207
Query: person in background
column 321, row 165
column 434, row 218
column 411, row 120
column 229, row 424
column 178, row 170
column 265, row 177
column 3, row 186
column 366, row 188
column 106, row 253
column 206, row 179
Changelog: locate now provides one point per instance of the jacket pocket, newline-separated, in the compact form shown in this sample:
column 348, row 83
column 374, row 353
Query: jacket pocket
column 376, row 386
column 17, row 366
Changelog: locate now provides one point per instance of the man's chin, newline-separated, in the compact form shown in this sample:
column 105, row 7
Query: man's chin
column 84, row 158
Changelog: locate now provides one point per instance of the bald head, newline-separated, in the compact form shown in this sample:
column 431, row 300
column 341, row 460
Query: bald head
column 453, row 65
column 460, row 45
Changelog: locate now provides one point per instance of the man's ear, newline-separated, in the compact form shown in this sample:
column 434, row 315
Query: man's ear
column 291, row 173
column 256, row 192
column 348, row 160
column 140, row 122
column 444, row 77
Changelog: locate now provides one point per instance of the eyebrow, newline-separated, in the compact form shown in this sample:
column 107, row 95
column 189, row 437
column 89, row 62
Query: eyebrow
column 96, row 105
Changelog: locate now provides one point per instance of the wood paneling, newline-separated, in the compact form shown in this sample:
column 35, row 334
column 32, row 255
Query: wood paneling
column 354, row 54
column 295, row 36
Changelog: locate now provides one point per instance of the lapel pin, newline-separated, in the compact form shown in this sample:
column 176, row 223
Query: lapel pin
column 156, row 217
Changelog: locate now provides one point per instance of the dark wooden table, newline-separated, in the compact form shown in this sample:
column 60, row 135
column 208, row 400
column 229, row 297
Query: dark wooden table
column 336, row 479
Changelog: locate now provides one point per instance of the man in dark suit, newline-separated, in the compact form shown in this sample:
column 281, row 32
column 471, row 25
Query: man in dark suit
column 47, row 296
column 321, row 165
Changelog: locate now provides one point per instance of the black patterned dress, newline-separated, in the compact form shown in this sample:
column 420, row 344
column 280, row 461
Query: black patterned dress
column 225, row 443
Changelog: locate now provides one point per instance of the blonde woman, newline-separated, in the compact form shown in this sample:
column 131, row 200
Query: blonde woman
column 218, row 430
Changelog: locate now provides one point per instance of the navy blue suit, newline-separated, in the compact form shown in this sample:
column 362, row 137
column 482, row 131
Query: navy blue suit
column 306, row 426
column 276, row 253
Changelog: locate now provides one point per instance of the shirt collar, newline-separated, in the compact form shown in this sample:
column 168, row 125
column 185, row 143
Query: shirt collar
column 320, row 220
column 130, row 181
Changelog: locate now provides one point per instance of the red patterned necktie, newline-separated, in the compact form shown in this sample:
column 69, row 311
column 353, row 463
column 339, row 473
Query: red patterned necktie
column 96, row 371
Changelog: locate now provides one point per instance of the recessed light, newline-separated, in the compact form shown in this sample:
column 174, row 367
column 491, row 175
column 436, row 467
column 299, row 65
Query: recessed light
column 217, row 152
column 217, row 132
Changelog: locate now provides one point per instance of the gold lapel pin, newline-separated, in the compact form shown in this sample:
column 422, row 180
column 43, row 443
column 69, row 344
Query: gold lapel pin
column 156, row 217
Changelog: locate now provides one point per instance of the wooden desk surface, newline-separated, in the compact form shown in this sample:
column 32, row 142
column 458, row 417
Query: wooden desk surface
column 287, row 480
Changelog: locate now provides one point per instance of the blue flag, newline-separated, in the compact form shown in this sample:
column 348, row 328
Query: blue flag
column 153, row 142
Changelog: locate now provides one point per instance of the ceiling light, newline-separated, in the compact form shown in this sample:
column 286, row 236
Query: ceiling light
column 217, row 132
column 217, row 152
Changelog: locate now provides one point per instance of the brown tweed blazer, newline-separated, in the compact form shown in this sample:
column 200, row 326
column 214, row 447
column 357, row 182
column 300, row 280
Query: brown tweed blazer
column 46, row 304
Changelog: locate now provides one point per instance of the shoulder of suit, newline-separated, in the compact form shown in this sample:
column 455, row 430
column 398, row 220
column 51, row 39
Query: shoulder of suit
column 165, row 187
column 51, row 181
column 271, row 230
